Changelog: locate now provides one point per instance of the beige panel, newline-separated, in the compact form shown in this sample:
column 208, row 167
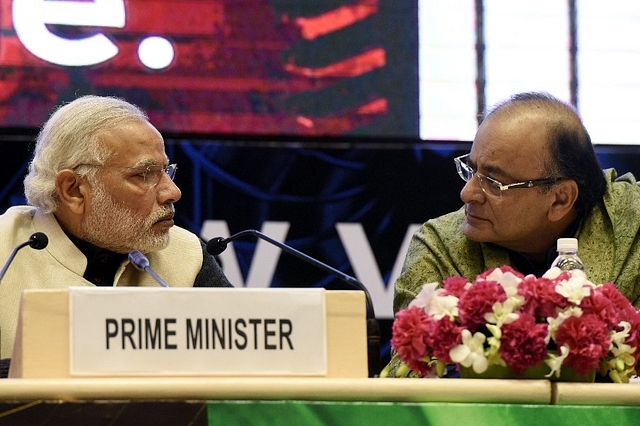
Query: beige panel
column 278, row 388
column 42, row 340
column 596, row 394
column 41, row 348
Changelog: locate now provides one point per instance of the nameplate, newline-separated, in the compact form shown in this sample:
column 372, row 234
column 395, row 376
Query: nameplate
column 197, row 331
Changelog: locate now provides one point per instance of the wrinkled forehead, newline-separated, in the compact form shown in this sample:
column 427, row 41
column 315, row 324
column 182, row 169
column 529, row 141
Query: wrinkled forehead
column 134, row 141
column 517, row 129
column 512, row 142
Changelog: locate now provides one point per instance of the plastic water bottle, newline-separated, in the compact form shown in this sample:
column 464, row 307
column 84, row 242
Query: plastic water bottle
column 568, row 259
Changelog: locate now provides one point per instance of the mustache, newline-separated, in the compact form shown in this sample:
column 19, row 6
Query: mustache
column 161, row 214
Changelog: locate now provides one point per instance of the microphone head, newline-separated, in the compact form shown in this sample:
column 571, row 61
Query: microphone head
column 216, row 245
column 38, row 240
column 138, row 259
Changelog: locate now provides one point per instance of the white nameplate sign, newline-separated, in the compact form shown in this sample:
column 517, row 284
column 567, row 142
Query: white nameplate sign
column 197, row 331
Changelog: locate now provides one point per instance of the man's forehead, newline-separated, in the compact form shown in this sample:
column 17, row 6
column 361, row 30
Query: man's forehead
column 530, row 127
column 508, row 146
column 134, row 137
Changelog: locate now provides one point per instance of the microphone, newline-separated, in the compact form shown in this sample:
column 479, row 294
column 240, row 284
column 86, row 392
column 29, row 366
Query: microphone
column 141, row 262
column 37, row 241
column 217, row 245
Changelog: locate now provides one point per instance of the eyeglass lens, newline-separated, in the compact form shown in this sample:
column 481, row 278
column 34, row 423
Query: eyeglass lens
column 466, row 173
column 153, row 174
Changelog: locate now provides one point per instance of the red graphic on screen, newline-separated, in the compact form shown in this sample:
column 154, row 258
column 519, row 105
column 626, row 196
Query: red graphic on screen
column 230, row 66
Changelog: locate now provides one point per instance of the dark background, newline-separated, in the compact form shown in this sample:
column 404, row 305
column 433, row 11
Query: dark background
column 312, row 188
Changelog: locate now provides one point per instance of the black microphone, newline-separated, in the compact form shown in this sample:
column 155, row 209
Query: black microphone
column 217, row 245
column 141, row 262
column 37, row 241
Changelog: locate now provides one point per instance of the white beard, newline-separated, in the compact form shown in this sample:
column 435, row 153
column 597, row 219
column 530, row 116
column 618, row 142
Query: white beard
column 117, row 228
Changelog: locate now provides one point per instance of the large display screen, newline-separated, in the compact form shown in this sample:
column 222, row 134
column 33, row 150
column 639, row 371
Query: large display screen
column 476, row 53
column 381, row 69
column 246, row 67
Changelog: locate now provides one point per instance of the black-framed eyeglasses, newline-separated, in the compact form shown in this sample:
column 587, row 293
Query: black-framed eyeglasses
column 494, row 187
column 150, row 175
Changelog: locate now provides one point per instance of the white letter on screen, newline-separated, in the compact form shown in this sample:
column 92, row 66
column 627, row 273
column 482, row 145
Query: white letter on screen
column 31, row 17
column 366, row 268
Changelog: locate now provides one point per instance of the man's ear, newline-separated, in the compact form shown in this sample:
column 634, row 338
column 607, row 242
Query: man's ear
column 72, row 190
column 565, row 195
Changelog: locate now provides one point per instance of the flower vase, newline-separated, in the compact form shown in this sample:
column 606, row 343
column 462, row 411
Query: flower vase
column 538, row 372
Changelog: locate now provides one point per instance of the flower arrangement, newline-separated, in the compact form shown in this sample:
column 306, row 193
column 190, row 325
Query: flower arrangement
column 507, row 319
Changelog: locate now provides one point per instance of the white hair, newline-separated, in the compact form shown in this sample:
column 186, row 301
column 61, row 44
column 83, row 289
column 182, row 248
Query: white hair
column 70, row 138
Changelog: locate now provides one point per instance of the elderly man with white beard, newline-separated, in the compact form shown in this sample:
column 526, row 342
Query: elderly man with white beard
column 100, row 185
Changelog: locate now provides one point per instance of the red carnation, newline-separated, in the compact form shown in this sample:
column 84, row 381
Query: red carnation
column 455, row 285
column 633, row 340
column 600, row 305
column 588, row 341
column 444, row 336
column 622, row 304
column 523, row 343
column 541, row 298
column 410, row 328
column 477, row 301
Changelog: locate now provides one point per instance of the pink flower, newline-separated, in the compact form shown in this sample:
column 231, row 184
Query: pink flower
column 477, row 301
column 588, row 340
column 455, row 285
column 507, row 318
column 523, row 343
column 599, row 304
column 621, row 303
column 445, row 335
column 633, row 340
column 410, row 329
column 541, row 298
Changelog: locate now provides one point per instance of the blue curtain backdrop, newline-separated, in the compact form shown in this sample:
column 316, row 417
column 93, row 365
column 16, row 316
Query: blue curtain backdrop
column 385, row 188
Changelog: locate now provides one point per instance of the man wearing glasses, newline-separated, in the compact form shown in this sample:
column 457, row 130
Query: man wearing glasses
column 532, row 176
column 99, row 186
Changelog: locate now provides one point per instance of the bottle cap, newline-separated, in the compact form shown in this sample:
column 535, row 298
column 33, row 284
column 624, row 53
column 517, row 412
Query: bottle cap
column 567, row 244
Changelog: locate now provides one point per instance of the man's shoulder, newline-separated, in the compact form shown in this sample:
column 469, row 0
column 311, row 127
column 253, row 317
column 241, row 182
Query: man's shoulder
column 616, row 219
column 450, row 223
column 622, row 191
column 15, row 218
column 16, row 225
column 445, row 233
column 16, row 213
column 624, row 182
column 183, row 235
column 183, row 241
